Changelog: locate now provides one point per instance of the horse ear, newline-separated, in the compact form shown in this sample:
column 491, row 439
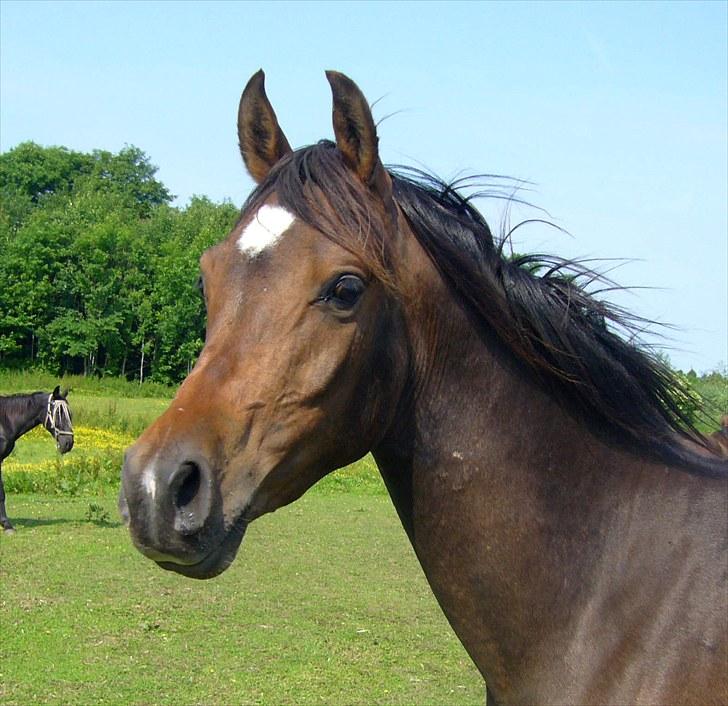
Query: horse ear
column 262, row 142
column 356, row 134
column 56, row 392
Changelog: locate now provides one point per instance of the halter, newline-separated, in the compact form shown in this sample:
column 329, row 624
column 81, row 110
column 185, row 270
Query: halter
column 57, row 409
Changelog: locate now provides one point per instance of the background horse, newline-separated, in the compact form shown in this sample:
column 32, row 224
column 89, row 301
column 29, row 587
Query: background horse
column 21, row 413
column 355, row 309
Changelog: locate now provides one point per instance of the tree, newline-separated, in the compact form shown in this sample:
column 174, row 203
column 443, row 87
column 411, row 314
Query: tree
column 99, row 271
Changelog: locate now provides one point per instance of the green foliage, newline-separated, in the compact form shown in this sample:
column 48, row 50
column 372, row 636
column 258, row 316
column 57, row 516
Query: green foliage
column 30, row 173
column 108, row 413
column 108, row 389
column 712, row 390
column 97, row 514
column 701, row 398
column 79, row 474
column 93, row 471
column 99, row 271
column 689, row 399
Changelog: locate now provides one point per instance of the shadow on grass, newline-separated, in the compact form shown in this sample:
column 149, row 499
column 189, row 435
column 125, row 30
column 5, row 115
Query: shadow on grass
column 29, row 523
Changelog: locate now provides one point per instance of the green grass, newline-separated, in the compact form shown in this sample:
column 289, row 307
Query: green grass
column 106, row 403
column 94, row 466
column 325, row 604
column 124, row 414
column 108, row 414
column 12, row 381
column 105, row 426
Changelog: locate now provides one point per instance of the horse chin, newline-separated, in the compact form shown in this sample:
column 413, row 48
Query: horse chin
column 217, row 560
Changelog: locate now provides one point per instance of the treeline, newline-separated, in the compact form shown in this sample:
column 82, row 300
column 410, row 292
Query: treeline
column 98, row 270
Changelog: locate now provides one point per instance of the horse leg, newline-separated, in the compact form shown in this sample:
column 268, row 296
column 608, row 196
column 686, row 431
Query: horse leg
column 4, row 521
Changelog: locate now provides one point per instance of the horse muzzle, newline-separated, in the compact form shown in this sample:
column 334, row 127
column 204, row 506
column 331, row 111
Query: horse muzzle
column 173, row 509
column 64, row 444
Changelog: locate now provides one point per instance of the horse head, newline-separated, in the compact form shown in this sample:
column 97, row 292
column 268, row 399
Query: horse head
column 58, row 421
column 302, row 362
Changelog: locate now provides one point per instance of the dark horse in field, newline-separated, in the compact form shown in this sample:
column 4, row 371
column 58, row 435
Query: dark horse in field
column 21, row 413
column 580, row 558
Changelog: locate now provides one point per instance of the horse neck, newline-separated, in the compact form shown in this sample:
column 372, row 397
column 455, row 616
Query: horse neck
column 23, row 414
column 499, row 488
column 468, row 402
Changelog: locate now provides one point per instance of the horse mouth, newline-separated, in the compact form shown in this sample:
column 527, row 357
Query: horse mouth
column 219, row 559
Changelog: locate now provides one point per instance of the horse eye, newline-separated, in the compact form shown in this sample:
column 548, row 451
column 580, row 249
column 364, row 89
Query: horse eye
column 345, row 292
column 201, row 286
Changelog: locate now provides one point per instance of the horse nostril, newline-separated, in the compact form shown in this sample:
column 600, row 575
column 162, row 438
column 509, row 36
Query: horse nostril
column 191, row 496
column 187, row 483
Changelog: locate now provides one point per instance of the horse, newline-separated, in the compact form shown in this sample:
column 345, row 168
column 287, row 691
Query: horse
column 21, row 413
column 719, row 439
column 353, row 309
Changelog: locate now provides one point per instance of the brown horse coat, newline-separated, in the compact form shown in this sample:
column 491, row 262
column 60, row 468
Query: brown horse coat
column 580, row 558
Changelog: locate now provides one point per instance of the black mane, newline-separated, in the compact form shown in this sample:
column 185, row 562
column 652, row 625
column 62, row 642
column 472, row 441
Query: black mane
column 19, row 404
column 560, row 333
column 564, row 335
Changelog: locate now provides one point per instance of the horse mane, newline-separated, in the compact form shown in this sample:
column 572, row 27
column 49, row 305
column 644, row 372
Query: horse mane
column 18, row 404
column 537, row 306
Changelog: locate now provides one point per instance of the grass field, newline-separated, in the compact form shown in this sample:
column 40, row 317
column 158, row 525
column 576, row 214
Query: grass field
column 326, row 603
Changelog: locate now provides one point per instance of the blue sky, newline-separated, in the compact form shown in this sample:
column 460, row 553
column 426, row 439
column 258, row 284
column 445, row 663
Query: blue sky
column 617, row 112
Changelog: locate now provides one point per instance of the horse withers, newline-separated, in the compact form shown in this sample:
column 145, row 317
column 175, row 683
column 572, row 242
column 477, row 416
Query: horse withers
column 21, row 413
column 355, row 309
